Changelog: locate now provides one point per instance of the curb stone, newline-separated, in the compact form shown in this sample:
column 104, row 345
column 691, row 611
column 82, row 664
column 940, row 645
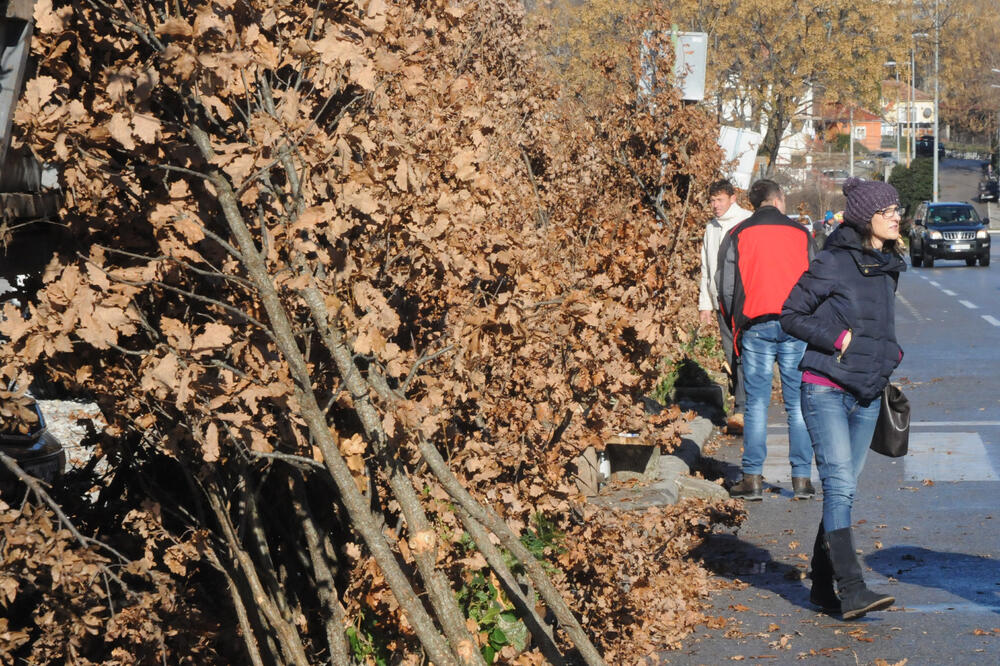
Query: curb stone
column 675, row 481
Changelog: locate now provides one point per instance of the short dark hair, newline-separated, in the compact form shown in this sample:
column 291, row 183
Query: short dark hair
column 763, row 190
column 721, row 187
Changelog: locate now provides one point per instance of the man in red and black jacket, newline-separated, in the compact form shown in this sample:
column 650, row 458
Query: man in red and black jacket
column 760, row 260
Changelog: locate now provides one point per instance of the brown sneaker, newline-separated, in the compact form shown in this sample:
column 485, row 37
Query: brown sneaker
column 750, row 488
column 734, row 424
column 802, row 488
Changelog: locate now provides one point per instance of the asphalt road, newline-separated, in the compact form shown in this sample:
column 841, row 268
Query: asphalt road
column 928, row 524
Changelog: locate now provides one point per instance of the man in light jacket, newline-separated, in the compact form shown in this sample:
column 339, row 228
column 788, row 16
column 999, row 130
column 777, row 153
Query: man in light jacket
column 722, row 198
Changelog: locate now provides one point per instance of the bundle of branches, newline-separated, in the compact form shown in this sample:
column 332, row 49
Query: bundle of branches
column 354, row 284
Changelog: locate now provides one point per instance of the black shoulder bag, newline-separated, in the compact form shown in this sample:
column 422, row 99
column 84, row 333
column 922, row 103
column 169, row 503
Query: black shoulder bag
column 892, row 432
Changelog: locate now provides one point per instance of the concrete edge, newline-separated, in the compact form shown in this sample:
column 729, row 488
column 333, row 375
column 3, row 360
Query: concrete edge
column 675, row 467
column 675, row 481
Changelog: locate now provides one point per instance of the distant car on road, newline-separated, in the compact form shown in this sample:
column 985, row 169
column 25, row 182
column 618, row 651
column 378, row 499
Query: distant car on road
column 886, row 156
column 925, row 147
column 989, row 190
column 836, row 176
column 949, row 230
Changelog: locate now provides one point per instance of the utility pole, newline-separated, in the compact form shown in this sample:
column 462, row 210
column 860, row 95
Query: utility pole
column 937, row 139
column 994, row 85
column 850, row 143
column 911, row 94
column 899, row 119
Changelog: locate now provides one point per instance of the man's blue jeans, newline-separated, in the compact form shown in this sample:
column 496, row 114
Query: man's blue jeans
column 760, row 345
column 841, row 431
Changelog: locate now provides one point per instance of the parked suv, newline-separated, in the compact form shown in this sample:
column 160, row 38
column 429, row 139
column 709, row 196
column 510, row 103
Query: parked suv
column 925, row 147
column 949, row 230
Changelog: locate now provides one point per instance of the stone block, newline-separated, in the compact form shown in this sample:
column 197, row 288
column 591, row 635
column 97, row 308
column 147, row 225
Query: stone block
column 690, row 486
column 631, row 458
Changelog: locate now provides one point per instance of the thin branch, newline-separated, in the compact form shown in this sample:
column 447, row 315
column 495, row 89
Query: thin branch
column 658, row 209
column 190, row 294
column 426, row 358
column 543, row 215
column 298, row 461
column 36, row 488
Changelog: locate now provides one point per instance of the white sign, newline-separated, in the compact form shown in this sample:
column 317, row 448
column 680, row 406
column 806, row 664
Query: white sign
column 739, row 147
column 690, row 56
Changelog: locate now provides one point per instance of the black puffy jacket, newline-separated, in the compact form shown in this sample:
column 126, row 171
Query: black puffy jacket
column 848, row 287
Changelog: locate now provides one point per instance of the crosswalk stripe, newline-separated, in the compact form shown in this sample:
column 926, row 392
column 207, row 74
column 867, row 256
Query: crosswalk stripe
column 951, row 456
column 922, row 424
column 940, row 456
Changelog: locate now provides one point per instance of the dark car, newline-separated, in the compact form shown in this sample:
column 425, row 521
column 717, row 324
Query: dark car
column 949, row 230
column 925, row 147
column 989, row 189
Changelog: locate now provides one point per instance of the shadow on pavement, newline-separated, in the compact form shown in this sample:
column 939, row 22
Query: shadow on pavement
column 713, row 468
column 971, row 577
column 728, row 556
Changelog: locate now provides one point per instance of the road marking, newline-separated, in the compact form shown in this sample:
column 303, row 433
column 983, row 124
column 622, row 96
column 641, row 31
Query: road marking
column 971, row 306
column 935, row 284
column 924, row 424
column 949, row 292
column 948, row 456
column 909, row 306
column 960, row 607
column 952, row 424
column 776, row 466
column 992, row 320
column 940, row 456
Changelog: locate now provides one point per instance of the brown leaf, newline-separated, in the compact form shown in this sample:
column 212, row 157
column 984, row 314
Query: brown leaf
column 213, row 336
column 210, row 446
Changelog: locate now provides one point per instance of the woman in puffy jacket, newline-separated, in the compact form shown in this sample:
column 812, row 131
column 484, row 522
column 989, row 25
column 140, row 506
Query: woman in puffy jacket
column 843, row 307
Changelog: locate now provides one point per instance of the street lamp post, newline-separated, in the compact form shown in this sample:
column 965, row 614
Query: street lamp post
column 911, row 144
column 913, row 92
column 850, row 144
column 937, row 139
column 994, row 85
column 897, row 125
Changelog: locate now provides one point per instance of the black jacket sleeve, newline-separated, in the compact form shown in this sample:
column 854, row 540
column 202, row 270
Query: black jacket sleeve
column 798, row 316
column 725, row 277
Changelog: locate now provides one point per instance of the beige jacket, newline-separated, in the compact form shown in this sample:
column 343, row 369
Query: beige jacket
column 715, row 231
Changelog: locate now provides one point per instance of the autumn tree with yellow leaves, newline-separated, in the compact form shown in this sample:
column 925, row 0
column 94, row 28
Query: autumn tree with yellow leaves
column 354, row 283
column 970, row 32
column 767, row 60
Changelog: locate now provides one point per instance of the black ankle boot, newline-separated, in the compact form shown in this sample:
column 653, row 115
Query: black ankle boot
column 750, row 488
column 855, row 597
column 822, row 593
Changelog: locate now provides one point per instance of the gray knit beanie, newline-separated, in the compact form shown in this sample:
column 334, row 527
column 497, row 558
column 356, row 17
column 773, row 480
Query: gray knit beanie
column 867, row 197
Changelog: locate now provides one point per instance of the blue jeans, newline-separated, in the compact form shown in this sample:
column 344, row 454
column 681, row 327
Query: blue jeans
column 760, row 345
column 841, row 431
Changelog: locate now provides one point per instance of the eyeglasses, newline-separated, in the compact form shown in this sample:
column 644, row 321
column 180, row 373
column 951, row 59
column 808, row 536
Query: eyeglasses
column 889, row 212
